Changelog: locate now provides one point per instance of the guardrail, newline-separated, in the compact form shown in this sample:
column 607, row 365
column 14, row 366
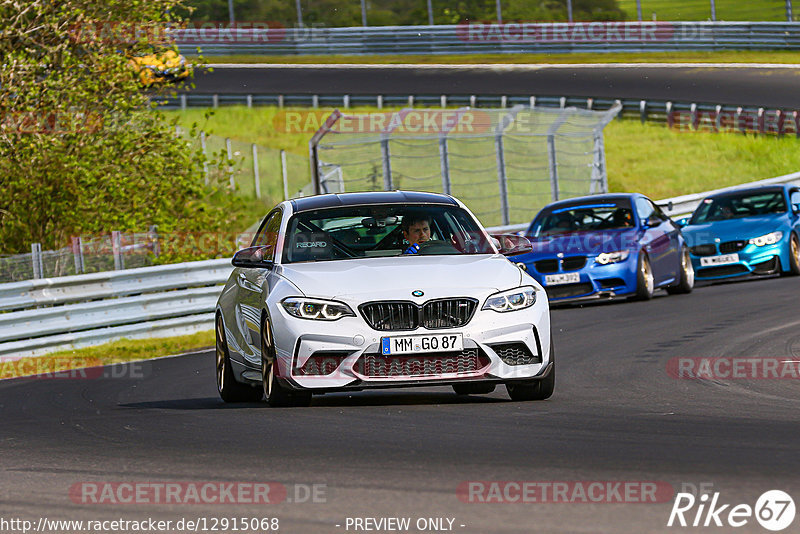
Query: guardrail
column 44, row 315
column 512, row 37
column 75, row 311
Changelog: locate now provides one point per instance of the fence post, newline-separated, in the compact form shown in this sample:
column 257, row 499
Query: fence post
column 379, row 101
column 504, row 101
column 215, row 101
column 472, row 101
column 183, row 102
column 346, row 101
column 36, row 260
column 285, row 176
column 562, row 102
column 717, row 118
column 256, row 179
column 116, row 248
column 789, row 15
column 280, row 101
column 532, row 102
column 599, row 174
column 411, row 101
column 444, row 163
column 501, row 178
column 670, row 117
column 205, row 158
column 713, row 11
column 643, row 111
column 315, row 101
column 249, row 101
column 230, row 158
column 153, row 236
column 553, row 166
column 589, row 103
column 386, row 158
column 77, row 254
column 693, row 115
column 443, row 101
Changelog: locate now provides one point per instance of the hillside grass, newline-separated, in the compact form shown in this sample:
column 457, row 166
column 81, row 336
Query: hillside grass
column 733, row 10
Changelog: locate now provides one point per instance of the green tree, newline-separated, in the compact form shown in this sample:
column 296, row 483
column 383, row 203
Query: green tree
column 81, row 148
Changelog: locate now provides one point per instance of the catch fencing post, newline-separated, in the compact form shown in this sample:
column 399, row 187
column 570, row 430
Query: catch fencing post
column 77, row 252
column 152, row 235
column 116, row 248
column 256, row 179
column 285, row 176
column 205, row 158
column 36, row 260
column 502, row 180
column 444, row 161
column 230, row 166
column 789, row 15
column 386, row 159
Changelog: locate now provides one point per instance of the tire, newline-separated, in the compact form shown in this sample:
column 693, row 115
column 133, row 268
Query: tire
column 276, row 395
column 645, row 284
column 686, row 279
column 229, row 389
column 794, row 257
column 473, row 389
column 538, row 389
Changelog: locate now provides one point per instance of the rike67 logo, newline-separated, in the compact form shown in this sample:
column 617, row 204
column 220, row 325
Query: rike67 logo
column 774, row 510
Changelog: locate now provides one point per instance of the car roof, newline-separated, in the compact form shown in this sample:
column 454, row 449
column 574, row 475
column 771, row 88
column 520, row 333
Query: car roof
column 371, row 197
column 593, row 199
column 750, row 190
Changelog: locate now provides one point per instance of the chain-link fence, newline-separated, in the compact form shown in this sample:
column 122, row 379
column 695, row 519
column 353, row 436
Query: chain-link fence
column 505, row 164
column 87, row 254
column 256, row 171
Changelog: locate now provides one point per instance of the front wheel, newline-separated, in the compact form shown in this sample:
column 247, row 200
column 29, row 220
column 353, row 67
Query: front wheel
column 645, row 284
column 277, row 396
column 229, row 389
column 686, row 278
column 536, row 390
column 794, row 257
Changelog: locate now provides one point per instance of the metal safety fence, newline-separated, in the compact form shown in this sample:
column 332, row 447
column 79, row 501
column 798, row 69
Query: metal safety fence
column 479, row 37
column 504, row 164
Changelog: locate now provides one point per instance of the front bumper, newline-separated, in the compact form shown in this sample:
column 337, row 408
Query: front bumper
column 498, row 347
column 596, row 281
column 753, row 260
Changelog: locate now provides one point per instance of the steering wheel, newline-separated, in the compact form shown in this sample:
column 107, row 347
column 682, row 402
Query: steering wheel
column 435, row 246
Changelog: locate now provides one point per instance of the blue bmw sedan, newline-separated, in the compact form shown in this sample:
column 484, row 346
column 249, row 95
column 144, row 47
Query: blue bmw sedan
column 605, row 246
column 746, row 232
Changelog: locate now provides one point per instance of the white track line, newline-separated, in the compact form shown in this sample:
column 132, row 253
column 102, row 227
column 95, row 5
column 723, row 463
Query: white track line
column 502, row 66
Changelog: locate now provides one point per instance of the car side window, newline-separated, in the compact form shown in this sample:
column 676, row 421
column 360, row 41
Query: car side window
column 268, row 235
column 794, row 199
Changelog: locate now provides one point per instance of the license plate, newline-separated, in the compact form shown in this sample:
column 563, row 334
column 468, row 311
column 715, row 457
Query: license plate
column 416, row 344
column 565, row 278
column 724, row 259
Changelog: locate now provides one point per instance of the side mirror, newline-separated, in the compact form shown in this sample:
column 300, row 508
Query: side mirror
column 795, row 201
column 512, row 244
column 683, row 222
column 652, row 221
column 252, row 257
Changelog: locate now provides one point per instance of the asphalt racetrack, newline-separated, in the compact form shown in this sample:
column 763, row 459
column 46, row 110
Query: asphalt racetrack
column 769, row 86
column 617, row 415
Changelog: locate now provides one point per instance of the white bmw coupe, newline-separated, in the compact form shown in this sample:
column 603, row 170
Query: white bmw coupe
column 351, row 291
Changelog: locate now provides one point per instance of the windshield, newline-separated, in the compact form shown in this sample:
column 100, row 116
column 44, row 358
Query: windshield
column 585, row 217
column 737, row 205
column 382, row 230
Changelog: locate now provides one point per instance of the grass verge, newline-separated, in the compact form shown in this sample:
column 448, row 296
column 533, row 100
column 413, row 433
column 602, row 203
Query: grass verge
column 125, row 350
column 760, row 57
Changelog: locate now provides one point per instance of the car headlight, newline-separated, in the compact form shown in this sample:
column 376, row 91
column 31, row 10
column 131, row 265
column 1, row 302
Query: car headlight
column 604, row 258
column 768, row 239
column 513, row 299
column 317, row 309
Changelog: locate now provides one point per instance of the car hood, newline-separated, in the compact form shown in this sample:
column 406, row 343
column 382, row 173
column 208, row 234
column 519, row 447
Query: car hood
column 397, row 277
column 733, row 229
column 582, row 243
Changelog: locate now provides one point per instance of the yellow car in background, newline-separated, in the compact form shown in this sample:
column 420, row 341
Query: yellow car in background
column 164, row 67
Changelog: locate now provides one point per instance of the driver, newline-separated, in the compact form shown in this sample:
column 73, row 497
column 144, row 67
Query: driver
column 416, row 229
